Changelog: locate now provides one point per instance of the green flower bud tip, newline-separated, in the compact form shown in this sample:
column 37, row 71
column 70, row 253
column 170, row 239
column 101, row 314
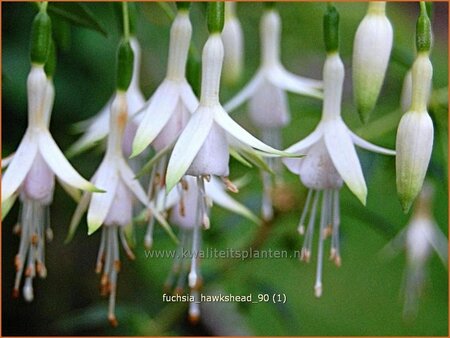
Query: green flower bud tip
column 216, row 16
column 331, row 29
column 423, row 31
column 41, row 32
column 125, row 59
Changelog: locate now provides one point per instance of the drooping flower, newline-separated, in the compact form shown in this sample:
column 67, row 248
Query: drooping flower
column 415, row 132
column 267, row 89
column 233, row 43
column 167, row 111
column 419, row 238
column 31, row 176
column 202, row 147
column 371, row 51
column 113, row 210
column 330, row 160
column 187, row 202
column 96, row 128
column 266, row 92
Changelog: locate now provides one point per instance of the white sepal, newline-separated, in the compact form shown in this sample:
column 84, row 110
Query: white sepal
column 188, row 145
column 20, row 165
column 59, row 164
column 235, row 130
column 245, row 93
column 106, row 177
column 360, row 142
column 156, row 114
column 344, row 157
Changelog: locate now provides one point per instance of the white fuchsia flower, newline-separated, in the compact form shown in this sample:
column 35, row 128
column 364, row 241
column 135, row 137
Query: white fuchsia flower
column 233, row 43
column 371, row 51
column 267, row 89
column 166, row 113
column 31, row 175
column 96, row 128
column 113, row 209
column 202, row 147
column 422, row 236
column 415, row 132
column 330, row 160
column 419, row 238
column 266, row 92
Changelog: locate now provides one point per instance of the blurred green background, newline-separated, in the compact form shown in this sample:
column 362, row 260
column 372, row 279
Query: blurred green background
column 362, row 297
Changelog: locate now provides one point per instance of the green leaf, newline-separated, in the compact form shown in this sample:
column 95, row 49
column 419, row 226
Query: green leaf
column 77, row 14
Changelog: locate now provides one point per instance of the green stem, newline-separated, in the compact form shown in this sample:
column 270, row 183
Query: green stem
column 423, row 7
column 126, row 21
column 43, row 6
column 167, row 10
